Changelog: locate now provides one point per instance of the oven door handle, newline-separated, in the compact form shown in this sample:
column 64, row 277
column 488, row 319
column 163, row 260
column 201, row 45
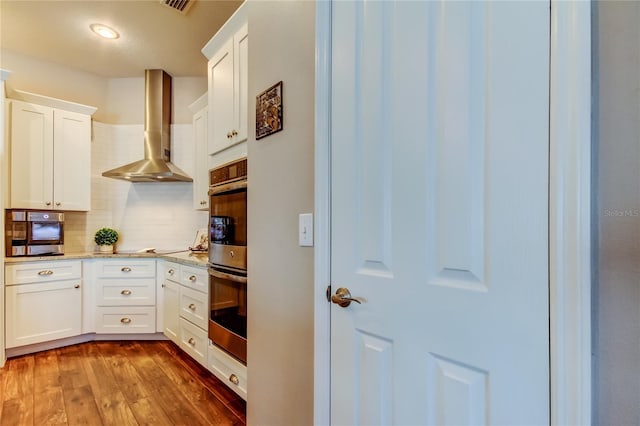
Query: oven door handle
column 228, row 187
column 226, row 276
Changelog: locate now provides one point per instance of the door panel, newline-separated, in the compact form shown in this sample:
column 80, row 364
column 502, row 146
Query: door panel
column 439, row 212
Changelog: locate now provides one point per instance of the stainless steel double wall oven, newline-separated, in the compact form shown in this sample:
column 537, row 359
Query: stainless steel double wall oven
column 228, row 258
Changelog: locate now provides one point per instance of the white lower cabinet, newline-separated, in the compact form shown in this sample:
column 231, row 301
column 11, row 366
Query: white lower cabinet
column 171, row 312
column 229, row 370
column 43, row 302
column 186, row 308
column 194, row 341
column 125, row 296
column 125, row 319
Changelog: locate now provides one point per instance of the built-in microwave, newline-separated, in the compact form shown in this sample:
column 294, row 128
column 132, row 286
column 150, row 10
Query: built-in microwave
column 34, row 233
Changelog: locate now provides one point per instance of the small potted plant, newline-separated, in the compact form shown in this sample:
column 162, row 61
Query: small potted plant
column 105, row 239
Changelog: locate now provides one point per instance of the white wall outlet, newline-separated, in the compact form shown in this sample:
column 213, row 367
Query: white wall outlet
column 305, row 230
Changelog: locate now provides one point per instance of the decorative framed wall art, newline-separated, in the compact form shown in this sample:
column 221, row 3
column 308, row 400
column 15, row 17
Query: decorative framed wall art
column 269, row 111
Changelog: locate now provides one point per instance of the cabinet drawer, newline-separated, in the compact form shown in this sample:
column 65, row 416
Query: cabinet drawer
column 226, row 368
column 195, row 278
column 122, row 292
column 194, row 341
column 172, row 271
column 194, row 307
column 126, row 319
column 126, row 269
column 33, row 272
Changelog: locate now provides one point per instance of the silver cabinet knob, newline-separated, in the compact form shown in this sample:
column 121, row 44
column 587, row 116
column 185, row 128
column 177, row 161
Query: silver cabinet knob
column 47, row 272
column 234, row 132
column 58, row 204
column 171, row 272
column 125, row 292
column 125, row 320
column 192, row 307
column 48, row 203
column 76, row 286
column 126, row 269
column 191, row 341
column 192, row 278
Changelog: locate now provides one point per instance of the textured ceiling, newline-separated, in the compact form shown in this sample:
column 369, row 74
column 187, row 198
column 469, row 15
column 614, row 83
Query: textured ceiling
column 151, row 35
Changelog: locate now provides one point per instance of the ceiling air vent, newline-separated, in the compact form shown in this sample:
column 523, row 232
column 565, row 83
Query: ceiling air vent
column 181, row 6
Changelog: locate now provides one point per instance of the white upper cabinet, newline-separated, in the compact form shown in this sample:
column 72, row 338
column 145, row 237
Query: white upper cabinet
column 228, row 76
column 50, row 157
column 201, row 178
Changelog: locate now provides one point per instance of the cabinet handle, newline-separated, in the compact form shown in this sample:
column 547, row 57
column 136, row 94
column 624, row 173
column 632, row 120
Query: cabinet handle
column 171, row 272
column 202, row 203
column 234, row 379
column 229, row 135
column 163, row 286
column 126, row 292
column 58, row 203
column 192, row 278
column 126, row 269
column 191, row 341
column 192, row 307
column 125, row 320
column 41, row 273
column 48, row 203
column 234, row 132
column 231, row 253
column 76, row 286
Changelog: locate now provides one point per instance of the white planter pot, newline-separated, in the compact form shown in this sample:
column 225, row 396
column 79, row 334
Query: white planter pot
column 105, row 249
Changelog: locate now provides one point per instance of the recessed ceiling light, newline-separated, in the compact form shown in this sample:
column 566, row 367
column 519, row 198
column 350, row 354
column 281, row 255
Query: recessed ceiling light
column 104, row 31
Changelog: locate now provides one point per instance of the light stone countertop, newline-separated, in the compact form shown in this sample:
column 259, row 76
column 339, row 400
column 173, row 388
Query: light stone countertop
column 184, row 257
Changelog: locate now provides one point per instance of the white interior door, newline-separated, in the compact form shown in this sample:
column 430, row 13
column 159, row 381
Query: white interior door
column 439, row 216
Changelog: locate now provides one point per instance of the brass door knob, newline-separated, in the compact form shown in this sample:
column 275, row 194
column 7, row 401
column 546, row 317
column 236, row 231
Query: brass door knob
column 343, row 297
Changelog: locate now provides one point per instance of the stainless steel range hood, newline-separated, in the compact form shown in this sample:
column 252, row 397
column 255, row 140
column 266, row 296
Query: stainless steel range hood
column 156, row 165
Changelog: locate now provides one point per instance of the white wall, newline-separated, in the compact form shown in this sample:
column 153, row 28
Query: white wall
column 119, row 101
column 146, row 214
column 616, row 319
column 159, row 215
column 280, row 289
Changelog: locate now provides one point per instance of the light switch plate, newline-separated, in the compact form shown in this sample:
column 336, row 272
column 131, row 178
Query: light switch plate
column 305, row 230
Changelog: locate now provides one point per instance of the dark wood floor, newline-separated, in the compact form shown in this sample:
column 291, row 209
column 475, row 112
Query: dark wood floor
column 114, row 383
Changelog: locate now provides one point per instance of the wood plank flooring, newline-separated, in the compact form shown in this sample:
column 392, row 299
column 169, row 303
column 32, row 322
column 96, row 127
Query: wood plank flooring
column 114, row 383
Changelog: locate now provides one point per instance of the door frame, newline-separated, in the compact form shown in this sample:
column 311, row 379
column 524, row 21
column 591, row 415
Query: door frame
column 569, row 213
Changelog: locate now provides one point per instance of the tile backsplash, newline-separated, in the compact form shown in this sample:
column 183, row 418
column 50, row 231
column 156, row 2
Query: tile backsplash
column 159, row 215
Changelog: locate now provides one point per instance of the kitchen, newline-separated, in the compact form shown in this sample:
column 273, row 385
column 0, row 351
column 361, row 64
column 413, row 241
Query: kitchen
column 139, row 210
column 285, row 31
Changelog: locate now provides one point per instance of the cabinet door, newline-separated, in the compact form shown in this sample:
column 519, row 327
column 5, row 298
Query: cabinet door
column 71, row 161
column 171, row 310
column 31, row 156
column 201, row 178
column 240, row 83
column 194, row 307
column 194, row 341
column 221, row 98
column 41, row 312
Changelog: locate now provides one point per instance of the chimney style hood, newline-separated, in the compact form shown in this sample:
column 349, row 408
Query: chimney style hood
column 156, row 165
